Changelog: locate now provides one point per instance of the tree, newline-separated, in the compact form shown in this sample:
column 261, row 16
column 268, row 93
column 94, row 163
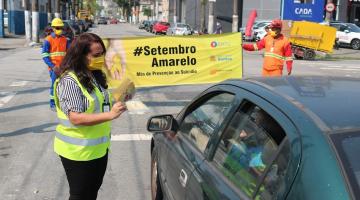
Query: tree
column 147, row 12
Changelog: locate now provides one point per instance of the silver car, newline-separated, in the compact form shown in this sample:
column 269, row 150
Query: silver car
column 179, row 29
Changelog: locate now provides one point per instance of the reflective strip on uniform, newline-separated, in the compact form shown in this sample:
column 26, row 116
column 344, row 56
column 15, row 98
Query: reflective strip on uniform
column 82, row 142
column 57, row 54
column 45, row 55
column 256, row 47
column 67, row 123
column 267, row 54
column 288, row 58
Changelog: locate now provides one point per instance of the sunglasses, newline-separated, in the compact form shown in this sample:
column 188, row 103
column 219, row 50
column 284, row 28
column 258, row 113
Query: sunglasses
column 58, row 28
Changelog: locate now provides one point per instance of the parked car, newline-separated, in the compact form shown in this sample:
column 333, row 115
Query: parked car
column 262, row 138
column 179, row 29
column 113, row 21
column 122, row 20
column 160, row 27
column 142, row 25
column 255, row 27
column 75, row 26
column 102, row 20
column 84, row 25
column 348, row 34
column 260, row 33
column 6, row 19
column 149, row 28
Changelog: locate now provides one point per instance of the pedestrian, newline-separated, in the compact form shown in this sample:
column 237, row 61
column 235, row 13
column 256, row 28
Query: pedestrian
column 277, row 50
column 85, row 111
column 218, row 29
column 53, row 52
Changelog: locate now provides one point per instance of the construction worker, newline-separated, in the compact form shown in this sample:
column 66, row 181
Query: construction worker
column 53, row 52
column 277, row 50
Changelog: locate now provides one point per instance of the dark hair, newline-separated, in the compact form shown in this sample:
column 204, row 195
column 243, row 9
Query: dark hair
column 76, row 60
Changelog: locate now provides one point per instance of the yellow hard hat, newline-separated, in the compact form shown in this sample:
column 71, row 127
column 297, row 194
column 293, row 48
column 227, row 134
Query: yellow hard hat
column 56, row 22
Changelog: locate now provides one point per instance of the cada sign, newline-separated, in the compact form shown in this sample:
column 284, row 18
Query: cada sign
column 297, row 11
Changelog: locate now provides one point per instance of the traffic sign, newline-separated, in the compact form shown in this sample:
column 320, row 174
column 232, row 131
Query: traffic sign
column 330, row 7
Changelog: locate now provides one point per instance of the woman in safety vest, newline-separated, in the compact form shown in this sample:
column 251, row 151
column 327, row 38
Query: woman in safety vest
column 84, row 109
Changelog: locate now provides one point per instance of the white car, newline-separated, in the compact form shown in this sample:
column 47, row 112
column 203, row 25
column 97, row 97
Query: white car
column 179, row 29
column 347, row 34
column 256, row 26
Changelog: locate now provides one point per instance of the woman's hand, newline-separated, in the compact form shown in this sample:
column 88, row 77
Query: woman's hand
column 117, row 109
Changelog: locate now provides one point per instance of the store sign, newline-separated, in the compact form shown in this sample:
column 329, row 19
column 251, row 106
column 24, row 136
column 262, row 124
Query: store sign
column 297, row 11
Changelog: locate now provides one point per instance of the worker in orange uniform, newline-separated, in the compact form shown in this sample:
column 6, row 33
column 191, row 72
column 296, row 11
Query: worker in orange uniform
column 53, row 52
column 277, row 50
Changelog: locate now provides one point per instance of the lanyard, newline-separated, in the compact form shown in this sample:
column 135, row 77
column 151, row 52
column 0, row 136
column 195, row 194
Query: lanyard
column 103, row 91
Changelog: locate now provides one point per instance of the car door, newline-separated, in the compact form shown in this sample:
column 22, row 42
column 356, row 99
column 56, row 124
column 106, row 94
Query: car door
column 344, row 36
column 185, row 151
column 260, row 165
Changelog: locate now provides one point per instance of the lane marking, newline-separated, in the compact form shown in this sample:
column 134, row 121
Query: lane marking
column 341, row 69
column 7, row 97
column 19, row 83
column 136, row 107
column 131, row 137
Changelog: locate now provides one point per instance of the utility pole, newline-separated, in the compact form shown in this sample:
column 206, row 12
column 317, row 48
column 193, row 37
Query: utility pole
column 235, row 17
column 49, row 11
column 2, row 33
column 27, row 21
column 73, row 10
column 57, row 8
column 211, row 16
column 35, row 21
column 175, row 12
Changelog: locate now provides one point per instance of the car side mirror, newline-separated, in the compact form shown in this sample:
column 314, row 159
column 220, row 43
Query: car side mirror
column 162, row 123
column 347, row 31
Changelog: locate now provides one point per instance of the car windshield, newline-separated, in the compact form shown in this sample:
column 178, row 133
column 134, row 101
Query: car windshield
column 348, row 146
column 353, row 28
column 181, row 25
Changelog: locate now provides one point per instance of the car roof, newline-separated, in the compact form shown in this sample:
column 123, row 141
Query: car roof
column 334, row 100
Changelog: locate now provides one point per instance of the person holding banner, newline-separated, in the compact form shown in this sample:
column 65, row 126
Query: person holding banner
column 277, row 50
column 85, row 111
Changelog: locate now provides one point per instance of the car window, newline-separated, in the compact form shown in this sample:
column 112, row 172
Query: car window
column 247, row 150
column 199, row 125
column 347, row 145
column 343, row 28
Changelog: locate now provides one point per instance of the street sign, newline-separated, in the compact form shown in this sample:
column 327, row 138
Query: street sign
column 330, row 7
column 297, row 11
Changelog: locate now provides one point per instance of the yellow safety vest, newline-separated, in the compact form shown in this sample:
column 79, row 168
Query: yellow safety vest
column 82, row 143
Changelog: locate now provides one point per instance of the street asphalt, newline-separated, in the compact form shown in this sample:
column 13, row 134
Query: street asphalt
column 30, row 170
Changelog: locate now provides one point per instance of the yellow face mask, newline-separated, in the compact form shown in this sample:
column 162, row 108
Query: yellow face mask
column 273, row 33
column 58, row 32
column 97, row 63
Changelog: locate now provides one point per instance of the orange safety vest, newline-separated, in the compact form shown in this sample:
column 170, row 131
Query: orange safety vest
column 274, row 56
column 57, row 49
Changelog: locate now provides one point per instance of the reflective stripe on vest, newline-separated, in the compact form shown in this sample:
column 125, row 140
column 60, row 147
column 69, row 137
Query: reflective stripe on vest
column 53, row 54
column 82, row 142
column 268, row 54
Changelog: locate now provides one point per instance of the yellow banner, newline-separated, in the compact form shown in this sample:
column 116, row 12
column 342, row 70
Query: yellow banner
column 175, row 60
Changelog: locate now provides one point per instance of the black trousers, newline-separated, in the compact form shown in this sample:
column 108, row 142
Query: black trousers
column 84, row 177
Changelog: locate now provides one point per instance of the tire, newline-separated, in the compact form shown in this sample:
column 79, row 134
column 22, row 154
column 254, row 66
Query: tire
column 309, row 54
column 355, row 44
column 156, row 191
column 298, row 57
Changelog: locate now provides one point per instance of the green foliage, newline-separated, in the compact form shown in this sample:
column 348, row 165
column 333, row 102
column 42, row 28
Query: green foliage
column 147, row 12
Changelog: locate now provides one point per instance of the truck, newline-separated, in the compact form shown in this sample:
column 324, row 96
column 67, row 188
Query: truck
column 308, row 37
column 85, row 15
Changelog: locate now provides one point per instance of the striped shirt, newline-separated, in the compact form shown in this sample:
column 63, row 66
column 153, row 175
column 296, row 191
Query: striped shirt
column 70, row 96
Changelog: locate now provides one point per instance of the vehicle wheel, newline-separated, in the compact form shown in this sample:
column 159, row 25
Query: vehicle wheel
column 355, row 44
column 309, row 54
column 298, row 57
column 156, row 192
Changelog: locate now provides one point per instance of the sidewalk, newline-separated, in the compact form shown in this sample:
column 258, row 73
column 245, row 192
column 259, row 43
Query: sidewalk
column 344, row 53
column 12, row 42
